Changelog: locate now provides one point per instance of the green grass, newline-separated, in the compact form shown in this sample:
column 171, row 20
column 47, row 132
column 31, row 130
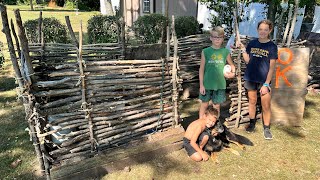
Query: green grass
column 14, row 141
column 294, row 153
column 59, row 13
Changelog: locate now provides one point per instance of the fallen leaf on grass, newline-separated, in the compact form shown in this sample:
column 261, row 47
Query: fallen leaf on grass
column 127, row 169
column 15, row 163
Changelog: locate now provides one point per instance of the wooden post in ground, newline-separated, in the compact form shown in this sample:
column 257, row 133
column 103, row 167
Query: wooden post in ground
column 293, row 23
column 71, row 32
column 285, row 34
column 24, row 46
column 236, row 28
column 15, row 38
column 83, row 92
column 6, row 31
column 174, row 75
column 123, row 38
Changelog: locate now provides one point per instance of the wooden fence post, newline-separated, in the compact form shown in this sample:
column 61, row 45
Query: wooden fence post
column 6, row 31
column 238, row 117
column 83, row 92
column 24, row 46
column 175, row 92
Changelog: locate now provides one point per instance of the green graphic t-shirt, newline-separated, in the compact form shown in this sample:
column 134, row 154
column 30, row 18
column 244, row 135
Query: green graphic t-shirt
column 215, row 59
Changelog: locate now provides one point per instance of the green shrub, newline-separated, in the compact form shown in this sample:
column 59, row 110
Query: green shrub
column 89, row 5
column 9, row 2
column 103, row 29
column 53, row 31
column 186, row 25
column 150, row 27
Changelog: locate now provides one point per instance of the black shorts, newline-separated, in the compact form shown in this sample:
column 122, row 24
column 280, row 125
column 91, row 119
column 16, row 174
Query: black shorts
column 186, row 143
column 253, row 85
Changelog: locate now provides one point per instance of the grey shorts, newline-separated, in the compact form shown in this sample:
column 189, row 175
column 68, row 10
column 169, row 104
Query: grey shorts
column 187, row 146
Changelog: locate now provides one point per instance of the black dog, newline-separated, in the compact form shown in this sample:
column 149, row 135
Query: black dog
column 220, row 138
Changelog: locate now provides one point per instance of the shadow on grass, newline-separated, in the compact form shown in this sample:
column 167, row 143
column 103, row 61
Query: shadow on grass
column 308, row 104
column 7, row 83
column 292, row 131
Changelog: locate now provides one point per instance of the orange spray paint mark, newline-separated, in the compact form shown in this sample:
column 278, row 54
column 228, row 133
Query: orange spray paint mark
column 290, row 56
column 280, row 73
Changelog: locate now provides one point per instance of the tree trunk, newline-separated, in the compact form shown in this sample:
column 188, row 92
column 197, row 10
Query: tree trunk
column 31, row 5
column 308, row 16
column 272, row 12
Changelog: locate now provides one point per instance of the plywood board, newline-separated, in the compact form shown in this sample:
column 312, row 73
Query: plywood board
column 289, row 86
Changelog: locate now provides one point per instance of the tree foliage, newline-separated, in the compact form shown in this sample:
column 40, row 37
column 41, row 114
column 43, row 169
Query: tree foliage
column 150, row 28
column 53, row 31
column 224, row 8
column 186, row 25
column 103, row 29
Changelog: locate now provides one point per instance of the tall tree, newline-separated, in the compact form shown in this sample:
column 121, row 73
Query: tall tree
column 31, row 5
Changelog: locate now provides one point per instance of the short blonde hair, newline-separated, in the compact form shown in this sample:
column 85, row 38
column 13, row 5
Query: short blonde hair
column 219, row 30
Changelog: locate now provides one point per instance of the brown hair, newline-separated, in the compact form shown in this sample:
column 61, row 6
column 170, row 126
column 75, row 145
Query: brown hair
column 212, row 111
column 219, row 30
column 266, row 21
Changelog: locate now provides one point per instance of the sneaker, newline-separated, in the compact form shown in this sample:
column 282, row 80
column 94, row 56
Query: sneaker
column 267, row 134
column 251, row 128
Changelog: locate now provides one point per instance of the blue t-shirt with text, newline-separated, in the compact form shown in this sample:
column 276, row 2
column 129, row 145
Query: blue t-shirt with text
column 259, row 64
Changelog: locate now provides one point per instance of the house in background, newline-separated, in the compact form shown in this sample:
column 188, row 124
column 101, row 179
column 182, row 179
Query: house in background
column 132, row 9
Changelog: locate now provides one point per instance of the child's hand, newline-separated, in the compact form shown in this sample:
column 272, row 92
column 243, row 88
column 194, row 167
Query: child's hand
column 202, row 90
column 264, row 90
column 230, row 75
column 204, row 156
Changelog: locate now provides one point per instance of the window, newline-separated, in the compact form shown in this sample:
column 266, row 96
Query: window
column 146, row 6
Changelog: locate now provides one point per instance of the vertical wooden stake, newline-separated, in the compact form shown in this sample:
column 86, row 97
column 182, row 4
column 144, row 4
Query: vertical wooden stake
column 285, row 34
column 15, row 38
column 83, row 92
column 236, row 28
column 6, row 31
column 293, row 23
column 174, row 75
column 24, row 46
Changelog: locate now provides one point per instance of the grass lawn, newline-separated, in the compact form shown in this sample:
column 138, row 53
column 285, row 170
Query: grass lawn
column 27, row 14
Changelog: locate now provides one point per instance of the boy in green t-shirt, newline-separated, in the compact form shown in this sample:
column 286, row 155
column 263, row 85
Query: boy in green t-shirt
column 211, row 76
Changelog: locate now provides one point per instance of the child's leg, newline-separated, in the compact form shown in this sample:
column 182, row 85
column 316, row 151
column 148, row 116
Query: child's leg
column 203, row 139
column 203, row 107
column 196, row 157
column 204, row 102
column 218, row 97
column 217, row 106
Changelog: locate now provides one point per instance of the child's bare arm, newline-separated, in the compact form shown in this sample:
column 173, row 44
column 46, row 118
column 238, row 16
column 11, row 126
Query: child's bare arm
column 201, row 74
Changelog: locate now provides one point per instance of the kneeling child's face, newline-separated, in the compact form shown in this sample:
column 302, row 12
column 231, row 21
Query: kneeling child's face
column 211, row 120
